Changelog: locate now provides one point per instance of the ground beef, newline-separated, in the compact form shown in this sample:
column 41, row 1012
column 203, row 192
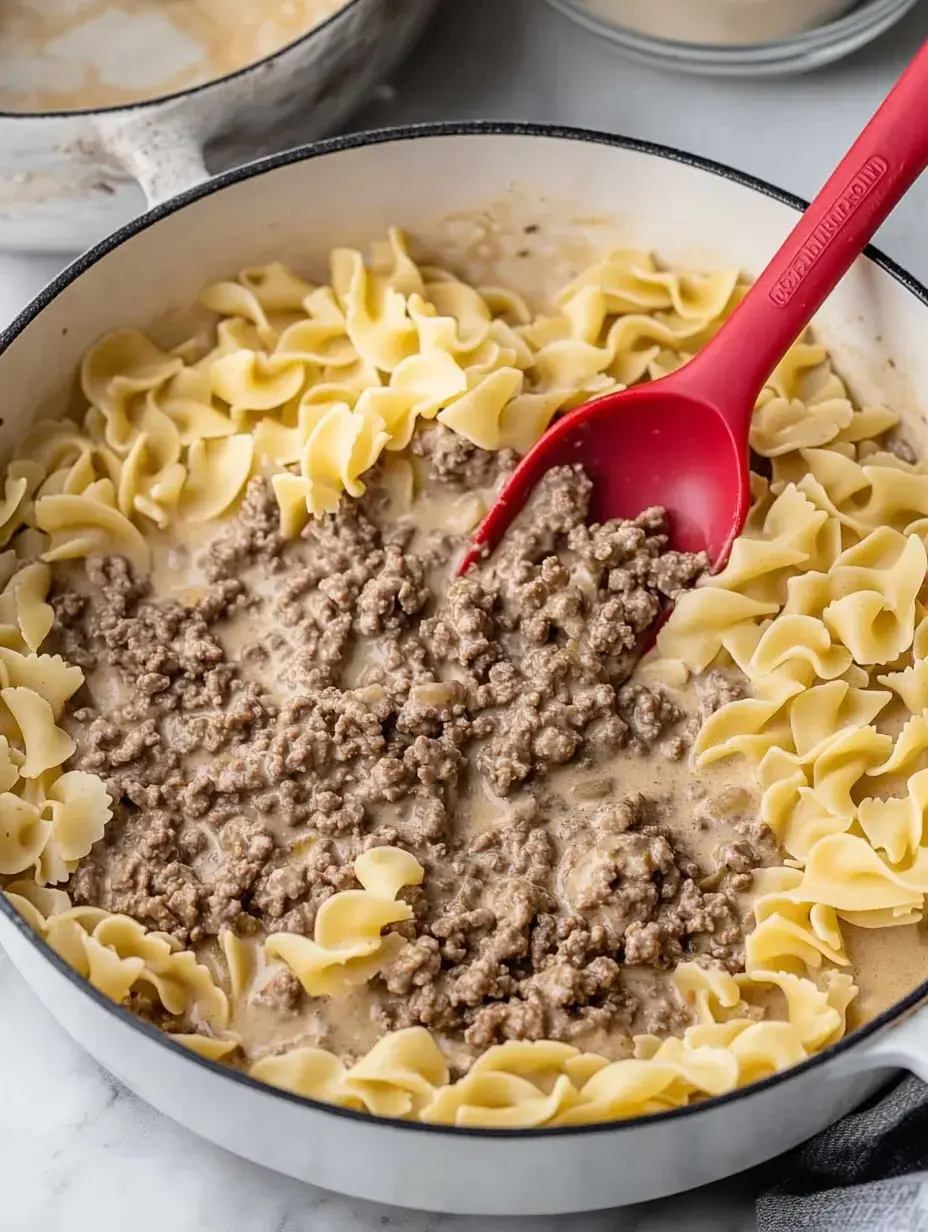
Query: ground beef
column 397, row 593
column 418, row 964
column 164, row 649
column 283, row 993
column 457, row 463
column 718, row 689
column 896, row 443
column 253, row 535
column 372, row 701
column 546, row 644
column 647, row 712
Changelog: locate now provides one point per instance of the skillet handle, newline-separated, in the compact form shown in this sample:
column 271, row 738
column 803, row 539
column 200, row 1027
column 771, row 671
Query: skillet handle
column 898, row 1047
column 165, row 157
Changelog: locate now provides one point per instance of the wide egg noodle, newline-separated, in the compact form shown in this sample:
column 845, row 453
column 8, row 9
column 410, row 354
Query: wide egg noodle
column 347, row 946
column 46, row 745
column 862, row 853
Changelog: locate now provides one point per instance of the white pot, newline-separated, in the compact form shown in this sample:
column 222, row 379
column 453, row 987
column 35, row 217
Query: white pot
column 68, row 179
column 524, row 206
column 719, row 23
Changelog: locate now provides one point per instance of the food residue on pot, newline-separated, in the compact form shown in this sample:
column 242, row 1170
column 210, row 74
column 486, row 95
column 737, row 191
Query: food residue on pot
column 75, row 55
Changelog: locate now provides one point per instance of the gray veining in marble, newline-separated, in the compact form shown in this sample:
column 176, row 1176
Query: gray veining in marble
column 79, row 1153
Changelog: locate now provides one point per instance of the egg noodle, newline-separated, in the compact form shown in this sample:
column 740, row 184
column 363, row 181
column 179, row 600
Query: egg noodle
column 822, row 608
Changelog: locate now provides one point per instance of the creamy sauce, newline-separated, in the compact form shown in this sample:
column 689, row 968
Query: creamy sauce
column 348, row 1025
column 702, row 810
column 71, row 55
column 719, row 22
column 888, row 963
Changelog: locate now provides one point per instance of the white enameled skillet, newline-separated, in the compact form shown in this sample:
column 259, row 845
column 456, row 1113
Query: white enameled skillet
column 523, row 206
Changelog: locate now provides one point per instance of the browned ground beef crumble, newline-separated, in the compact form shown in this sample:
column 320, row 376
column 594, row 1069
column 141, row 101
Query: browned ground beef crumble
column 240, row 804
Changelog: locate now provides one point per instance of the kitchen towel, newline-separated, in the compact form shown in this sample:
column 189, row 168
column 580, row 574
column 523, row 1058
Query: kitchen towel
column 868, row 1173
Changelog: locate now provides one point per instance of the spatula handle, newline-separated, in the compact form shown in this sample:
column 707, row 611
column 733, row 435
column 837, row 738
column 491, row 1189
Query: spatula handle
column 882, row 164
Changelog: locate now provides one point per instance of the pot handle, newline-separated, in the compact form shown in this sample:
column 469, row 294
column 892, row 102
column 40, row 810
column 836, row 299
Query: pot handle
column 164, row 157
column 904, row 1046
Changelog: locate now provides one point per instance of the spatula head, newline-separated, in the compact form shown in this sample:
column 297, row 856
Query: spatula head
column 642, row 447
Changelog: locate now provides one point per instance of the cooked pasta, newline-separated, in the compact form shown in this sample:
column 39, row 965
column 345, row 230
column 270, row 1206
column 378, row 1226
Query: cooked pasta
column 521, row 1084
column 317, row 382
column 116, row 954
column 348, row 946
column 820, row 618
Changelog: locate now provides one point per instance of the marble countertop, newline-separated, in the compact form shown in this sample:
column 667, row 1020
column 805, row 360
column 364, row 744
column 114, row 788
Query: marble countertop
column 77, row 1151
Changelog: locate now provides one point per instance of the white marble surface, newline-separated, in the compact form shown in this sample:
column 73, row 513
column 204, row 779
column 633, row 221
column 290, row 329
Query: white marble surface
column 77, row 1151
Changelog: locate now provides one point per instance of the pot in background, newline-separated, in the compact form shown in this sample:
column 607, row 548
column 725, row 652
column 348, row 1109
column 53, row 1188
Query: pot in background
column 67, row 179
column 719, row 22
column 524, row 206
column 736, row 38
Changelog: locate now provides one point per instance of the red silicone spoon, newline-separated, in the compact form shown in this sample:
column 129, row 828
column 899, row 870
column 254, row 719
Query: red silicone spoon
column 682, row 441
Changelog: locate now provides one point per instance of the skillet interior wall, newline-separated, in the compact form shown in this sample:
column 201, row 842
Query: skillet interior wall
column 484, row 239
column 471, row 214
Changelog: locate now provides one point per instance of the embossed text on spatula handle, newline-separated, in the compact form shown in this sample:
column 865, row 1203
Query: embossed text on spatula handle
column 851, row 198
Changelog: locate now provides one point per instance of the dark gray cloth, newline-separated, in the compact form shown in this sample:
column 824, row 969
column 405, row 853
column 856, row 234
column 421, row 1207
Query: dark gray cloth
column 868, row 1173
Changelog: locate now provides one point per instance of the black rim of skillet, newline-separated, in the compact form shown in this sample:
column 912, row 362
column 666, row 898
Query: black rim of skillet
column 332, row 146
column 200, row 88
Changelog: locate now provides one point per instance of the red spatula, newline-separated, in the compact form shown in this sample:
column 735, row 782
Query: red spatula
column 682, row 441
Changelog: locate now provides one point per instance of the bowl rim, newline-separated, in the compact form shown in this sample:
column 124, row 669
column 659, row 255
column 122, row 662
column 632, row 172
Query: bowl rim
column 858, row 20
column 320, row 149
column 156, row 100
